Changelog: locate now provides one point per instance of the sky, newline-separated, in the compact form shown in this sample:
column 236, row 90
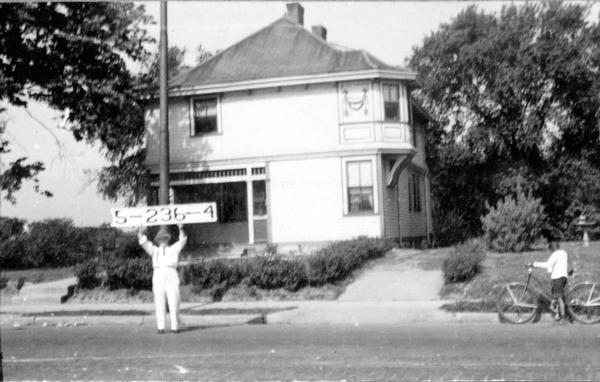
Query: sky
column 388, row 30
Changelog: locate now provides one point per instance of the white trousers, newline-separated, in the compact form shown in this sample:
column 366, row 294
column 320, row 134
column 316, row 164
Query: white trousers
column 165, row 286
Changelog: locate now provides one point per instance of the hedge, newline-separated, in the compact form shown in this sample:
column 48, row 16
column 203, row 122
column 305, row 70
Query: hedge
column 328, row 265
column 51, row 243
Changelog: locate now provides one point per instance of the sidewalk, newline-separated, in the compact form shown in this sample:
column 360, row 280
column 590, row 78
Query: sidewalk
column 242, row 313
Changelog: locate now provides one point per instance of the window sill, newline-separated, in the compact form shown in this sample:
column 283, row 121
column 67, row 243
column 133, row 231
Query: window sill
column 203, row 135
column 360, row 214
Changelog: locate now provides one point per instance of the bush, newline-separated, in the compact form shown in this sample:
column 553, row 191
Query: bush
column 88, row 274
column 463, row 262
column 3, row 281
column 275, row 272
column 336, row 261
column 129, row 248
column 58, row 243
column 10, row 227
column 14, row 254
column 51, row 243
column 129, row 273
column 514, row 224
column 224, row 273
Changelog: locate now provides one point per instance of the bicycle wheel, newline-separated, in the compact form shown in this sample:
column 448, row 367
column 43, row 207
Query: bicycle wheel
column 516, row 304
column 583, row 303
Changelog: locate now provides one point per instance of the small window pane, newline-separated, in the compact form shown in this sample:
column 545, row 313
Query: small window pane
column 360, row 199
column 353, row 174
column 390, row 93
column 366, row 178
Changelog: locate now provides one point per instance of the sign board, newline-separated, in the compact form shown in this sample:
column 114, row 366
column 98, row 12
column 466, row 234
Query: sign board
column 164, row 215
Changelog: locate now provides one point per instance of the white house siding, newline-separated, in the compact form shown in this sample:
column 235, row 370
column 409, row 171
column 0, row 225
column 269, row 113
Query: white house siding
column 412, row 224
column 306, row 203
column 390, row 212
column 268, row 122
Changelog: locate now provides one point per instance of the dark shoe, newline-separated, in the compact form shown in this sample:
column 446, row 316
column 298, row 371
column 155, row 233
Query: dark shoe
column 161, row 331
column 174, row 331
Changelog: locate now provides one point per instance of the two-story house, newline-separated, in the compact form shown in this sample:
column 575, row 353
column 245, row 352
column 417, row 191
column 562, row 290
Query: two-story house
column 297, row 140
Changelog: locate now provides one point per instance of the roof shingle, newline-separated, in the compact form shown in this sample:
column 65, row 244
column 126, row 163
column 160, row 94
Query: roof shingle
column 281, row 49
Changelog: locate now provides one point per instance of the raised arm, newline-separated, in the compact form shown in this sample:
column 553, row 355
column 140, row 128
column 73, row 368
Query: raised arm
column 182, row 238
column 144, row 242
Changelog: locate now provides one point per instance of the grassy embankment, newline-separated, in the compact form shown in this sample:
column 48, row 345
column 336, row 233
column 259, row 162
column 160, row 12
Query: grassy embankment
column 501, row 268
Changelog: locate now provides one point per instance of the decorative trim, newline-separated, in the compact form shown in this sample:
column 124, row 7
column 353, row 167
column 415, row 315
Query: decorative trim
column 260, row 161
column 400, row 164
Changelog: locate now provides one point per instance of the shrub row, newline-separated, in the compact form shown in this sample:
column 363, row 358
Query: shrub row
column 330, row 264
column 51, row 243
column 127, row 267
column 132, row 270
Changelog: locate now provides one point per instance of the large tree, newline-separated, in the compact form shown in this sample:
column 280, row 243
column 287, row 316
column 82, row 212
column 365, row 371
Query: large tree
column 72, row 57
column 516, row 96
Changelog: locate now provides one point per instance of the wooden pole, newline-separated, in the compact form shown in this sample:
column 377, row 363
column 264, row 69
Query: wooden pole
column 163, row 190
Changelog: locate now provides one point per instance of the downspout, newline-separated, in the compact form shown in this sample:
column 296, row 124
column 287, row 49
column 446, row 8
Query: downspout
column 427, row 207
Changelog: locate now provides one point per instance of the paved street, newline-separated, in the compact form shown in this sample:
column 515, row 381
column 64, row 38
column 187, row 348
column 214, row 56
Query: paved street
column 284, row 352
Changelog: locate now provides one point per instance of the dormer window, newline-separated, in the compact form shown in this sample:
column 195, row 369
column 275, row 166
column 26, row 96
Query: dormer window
column 391, row 102
column 204, row 116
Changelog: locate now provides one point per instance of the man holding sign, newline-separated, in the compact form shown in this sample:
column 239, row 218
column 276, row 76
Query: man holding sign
column 165, row 280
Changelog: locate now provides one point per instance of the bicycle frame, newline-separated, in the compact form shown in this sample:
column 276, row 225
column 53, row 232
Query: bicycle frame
column 537, row 287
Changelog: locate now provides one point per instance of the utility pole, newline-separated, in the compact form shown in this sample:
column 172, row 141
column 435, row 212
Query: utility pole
column 163, row 190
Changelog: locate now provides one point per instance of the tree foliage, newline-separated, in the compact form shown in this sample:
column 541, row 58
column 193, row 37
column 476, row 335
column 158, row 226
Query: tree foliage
column 516, row 96
column 72, row 57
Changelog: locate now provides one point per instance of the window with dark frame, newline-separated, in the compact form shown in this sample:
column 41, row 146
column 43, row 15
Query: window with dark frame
column 391, row 102
column 259, row 193
column 414, row 193
column 360, row 186
column 204, row 116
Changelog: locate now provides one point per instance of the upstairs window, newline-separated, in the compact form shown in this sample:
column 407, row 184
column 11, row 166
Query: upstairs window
column 391, row 102
column 360, row 186
column 204, row 116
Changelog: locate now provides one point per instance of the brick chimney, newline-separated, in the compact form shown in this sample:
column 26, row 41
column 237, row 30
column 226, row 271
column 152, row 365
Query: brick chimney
column 320, row 31
column 295, row 12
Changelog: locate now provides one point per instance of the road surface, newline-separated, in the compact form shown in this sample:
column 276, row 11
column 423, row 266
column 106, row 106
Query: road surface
column 540, row 351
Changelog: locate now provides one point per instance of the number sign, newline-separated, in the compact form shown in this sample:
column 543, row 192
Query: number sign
column 164, row 215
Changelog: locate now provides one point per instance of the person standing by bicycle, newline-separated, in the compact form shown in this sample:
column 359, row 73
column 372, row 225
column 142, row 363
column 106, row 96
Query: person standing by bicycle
column 558, row 267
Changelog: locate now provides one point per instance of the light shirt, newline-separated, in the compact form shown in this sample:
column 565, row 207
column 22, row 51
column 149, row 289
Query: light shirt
column 556, row 264
column 163, row 257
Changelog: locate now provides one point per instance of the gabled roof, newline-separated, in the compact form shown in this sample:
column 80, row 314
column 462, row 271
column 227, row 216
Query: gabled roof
column 281, row 49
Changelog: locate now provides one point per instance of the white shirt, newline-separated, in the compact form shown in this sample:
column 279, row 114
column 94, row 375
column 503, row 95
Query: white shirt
column 165, row 256
column 556, row 264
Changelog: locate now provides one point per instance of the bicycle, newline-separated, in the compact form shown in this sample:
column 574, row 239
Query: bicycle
column 519, row 303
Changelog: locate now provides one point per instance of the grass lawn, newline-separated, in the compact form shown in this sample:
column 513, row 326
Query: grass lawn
column 38, row 275
column 501, row 268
